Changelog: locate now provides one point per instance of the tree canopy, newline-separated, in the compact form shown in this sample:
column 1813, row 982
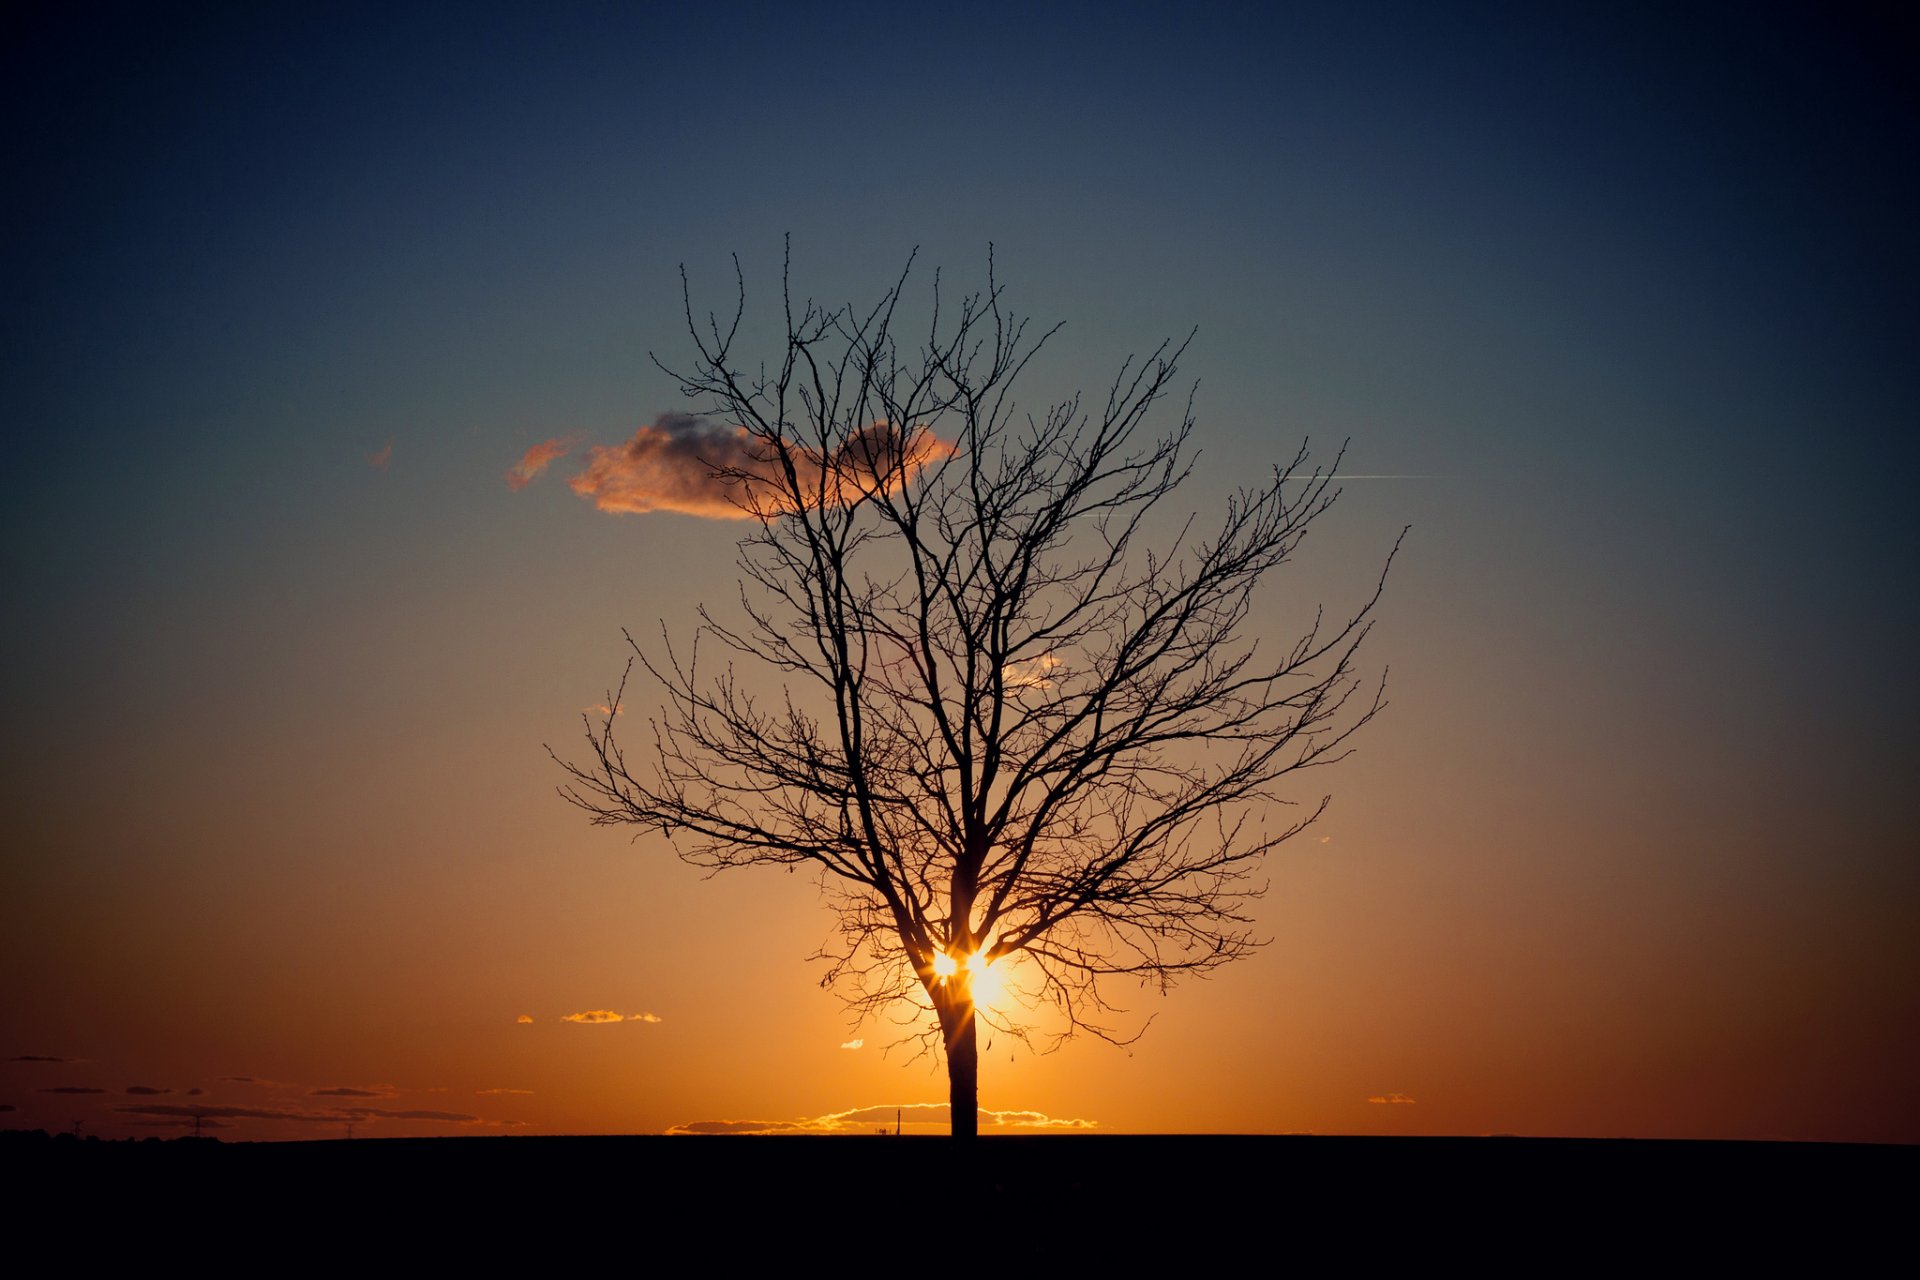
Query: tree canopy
column 1022, row 733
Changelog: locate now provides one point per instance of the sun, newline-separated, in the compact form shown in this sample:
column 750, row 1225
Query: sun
column 989, row 980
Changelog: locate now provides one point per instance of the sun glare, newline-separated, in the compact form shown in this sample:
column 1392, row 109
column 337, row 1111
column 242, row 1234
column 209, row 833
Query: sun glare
column 943, row 965
column 988, row 981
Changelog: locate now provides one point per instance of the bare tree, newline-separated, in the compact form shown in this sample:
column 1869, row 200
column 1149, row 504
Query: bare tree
column 1021, row 733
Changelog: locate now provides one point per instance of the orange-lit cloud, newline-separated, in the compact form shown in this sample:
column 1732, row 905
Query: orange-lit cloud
column 535, row 460
column 525, row 1017
column 596, row 1017
column 867, row 1119
column 853, row 1044
column 486, row 1092
column 1391, row 1098
column 1031, row 673
column 380, row 457
column 685, row 463
column 344, row 1091
column 338, row 1115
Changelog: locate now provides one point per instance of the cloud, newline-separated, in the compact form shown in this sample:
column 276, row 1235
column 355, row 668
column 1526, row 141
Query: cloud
column 594, row 1017
column 852, row 1044
column 686, row 463
column 604, row 709
column 233, row 1113
column 738, row 1126
column 380, row 457
column 241, row 1080
column 445, row 1117
column 1393, row 1098
column 485, row 1092
column 179, row 1122
column 342, row 1091
column 525, row 1017
column 195, row 1092
column 146, row 1090
column 43, row 1057
column 868, row 1119
column 73, row 1088
column 535, row 460
column 1031, row 673
column 330, row 1115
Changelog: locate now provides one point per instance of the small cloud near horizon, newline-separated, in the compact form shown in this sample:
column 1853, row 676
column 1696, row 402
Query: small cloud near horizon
column 43, row 1057
column 524, row 1018
column 1391, row 1098
column 867, row 1119
column 146, row 1090
column 600, row 1017
column 522, row 1092
column 343, row 1091
column 73, row 1088
column 852, row 1044
column 380, row 457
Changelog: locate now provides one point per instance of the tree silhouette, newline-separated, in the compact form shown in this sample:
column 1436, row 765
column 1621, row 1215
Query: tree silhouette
column 1021, row 735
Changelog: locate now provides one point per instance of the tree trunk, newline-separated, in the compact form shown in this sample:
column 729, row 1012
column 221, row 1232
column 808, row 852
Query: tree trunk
column 963, row 1071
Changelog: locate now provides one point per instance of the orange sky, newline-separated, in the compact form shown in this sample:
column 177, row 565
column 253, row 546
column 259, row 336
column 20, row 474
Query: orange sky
column 329, row 416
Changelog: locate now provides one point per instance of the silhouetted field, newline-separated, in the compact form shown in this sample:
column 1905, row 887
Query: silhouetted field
column 1366, row 1194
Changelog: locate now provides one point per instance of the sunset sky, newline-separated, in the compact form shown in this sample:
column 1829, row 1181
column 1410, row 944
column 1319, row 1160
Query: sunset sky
column 312, row 326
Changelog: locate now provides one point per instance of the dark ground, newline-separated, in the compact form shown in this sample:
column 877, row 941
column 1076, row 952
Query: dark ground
column 1492, row 1199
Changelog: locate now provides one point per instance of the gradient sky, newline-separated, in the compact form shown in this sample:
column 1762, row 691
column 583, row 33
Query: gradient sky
column 1633, row 852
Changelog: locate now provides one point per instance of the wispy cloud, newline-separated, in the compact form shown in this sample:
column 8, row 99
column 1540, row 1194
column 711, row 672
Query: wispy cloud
column 444, row 1117
column 43, row 1057
column 380, row 457
column 524, row 1018
column 1391, row 1098
column 73, row 1088
column 535, row 460
column 593, row 1016
column 852, row 1044
column 328, row 1115
column 597, row 1017
column 867, row 1119
column 686, row 463
column 344, row 1091
column 233, row 1113
column 486, row 1092
column 146, row 1090
column 1031, row 673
